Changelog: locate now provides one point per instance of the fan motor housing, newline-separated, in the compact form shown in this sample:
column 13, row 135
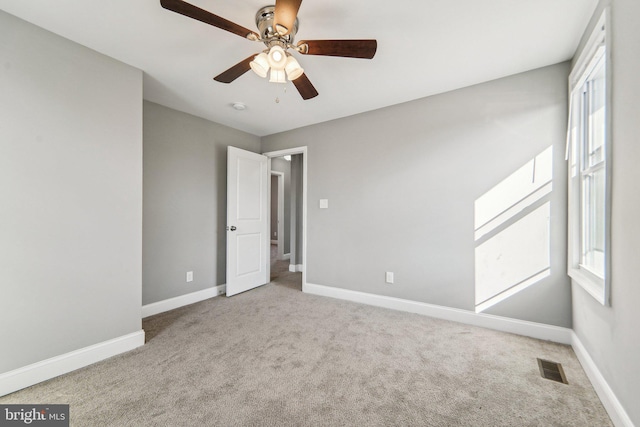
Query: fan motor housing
column 267, row 30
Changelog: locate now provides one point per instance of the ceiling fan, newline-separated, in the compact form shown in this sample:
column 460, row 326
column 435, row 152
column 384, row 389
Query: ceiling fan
column 277, row 26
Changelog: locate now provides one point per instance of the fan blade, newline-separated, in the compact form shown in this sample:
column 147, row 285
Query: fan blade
column 186, row 9
column 304, row 86
column 345, row 48
column 285, row 15
column 234, row 72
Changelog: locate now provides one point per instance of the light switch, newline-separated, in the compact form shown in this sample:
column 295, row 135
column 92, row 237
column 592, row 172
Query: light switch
column 389, row 277
column 324, row 203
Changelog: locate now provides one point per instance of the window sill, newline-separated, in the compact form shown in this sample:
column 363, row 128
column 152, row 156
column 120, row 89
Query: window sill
column 591, row 283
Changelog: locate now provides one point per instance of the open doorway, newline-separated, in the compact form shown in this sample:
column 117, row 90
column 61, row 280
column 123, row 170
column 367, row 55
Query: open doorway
column 279, row 190
column 287, row 212
column 280, row 217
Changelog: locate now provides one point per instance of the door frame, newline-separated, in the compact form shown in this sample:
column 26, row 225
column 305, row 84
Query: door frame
column 286, row 152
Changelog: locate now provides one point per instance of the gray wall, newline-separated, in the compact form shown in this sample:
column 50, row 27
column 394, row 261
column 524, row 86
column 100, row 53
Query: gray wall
column 185, row 175
column 279, row 164
column 402, row 182
column 70, row 195
column 610, row 334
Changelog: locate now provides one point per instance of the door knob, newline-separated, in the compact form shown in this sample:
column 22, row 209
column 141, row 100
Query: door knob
column 232, row 228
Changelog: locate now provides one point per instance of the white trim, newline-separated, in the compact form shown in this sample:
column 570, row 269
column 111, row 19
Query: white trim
column 296, row 268
column 286, row 256
column 614, row 408
column 589, row 282
column 504, row 324
column 50, row 368
column 598, row 45
column 599, row 34
column 182, row 300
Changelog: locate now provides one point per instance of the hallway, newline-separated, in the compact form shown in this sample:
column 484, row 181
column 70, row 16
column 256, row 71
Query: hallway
column 280, row 274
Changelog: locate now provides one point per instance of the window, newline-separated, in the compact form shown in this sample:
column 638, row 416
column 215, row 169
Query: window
column 589, row 146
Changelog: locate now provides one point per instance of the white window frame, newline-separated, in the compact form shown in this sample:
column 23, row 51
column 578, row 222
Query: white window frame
column 595, row 50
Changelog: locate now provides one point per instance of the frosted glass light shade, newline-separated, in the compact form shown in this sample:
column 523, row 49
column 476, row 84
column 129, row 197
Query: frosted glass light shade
column 260, row 65
column 277, row 58
column 277, row 76
column 293, row 68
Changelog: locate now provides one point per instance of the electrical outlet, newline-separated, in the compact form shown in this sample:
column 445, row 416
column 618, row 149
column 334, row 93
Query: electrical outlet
column 389, row 277
column 189, row 276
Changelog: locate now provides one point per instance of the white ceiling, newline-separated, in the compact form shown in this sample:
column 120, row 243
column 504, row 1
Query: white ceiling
column 425, row 47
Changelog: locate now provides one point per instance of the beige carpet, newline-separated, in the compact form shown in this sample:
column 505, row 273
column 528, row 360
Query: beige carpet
column 280, row 271
column 277, row 357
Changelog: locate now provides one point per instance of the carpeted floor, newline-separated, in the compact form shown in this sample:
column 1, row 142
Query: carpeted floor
column 280, row 270
column 275, row 356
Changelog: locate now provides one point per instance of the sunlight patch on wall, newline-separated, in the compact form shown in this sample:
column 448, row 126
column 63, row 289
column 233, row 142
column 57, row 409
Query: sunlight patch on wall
column 522, row 188
column 513, row 259
column 512, row 233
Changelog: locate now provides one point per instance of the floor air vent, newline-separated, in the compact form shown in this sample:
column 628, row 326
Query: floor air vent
column 552, row 371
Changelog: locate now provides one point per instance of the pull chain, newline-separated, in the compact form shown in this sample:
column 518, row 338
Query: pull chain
column 284, row 91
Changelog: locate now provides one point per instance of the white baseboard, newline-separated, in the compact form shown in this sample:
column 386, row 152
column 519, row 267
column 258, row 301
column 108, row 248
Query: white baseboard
column 182, row 300
column 614, row 408
column 50, row 368
column 504, row 324
column 295, row 268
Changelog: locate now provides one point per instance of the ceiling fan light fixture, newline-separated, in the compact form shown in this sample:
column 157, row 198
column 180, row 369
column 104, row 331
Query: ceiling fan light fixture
column 293, row 68
column 278, row 25
column 277, row 58
column 260, row 65
column 277, row 76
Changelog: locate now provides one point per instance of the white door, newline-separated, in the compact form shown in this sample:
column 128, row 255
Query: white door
column 247, row 225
